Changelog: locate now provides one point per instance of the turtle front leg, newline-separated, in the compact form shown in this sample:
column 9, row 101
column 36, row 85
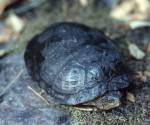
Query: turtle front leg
column 109, row 101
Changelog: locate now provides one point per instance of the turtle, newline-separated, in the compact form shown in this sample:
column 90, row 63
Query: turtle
column 77, row 65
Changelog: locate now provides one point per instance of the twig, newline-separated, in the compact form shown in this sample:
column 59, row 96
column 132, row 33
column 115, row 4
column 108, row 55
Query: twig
column 38, row 94
column 86, row 108
column 11, row 84
column 44, row 99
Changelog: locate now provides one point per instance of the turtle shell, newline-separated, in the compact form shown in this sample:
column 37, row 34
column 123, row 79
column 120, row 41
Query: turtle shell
column 75, row 63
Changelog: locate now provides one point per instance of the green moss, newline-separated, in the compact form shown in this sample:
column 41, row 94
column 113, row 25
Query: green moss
column 79, row 117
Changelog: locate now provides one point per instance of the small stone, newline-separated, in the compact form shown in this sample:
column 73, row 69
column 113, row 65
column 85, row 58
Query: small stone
column 130, row 97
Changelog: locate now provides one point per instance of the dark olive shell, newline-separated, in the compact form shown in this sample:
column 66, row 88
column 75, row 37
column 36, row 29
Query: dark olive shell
column 75, row 63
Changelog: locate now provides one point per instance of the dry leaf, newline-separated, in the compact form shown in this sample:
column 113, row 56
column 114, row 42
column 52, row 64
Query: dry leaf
column 130, row 97
column 4, row 4
column 131, row 10
column 5, row 34
column 122, row 11
column 15, row 23
column 135, row 51
column 143, row 5
column 138, row 23
column 83, row 3
column 6, row 51
column 2, row 52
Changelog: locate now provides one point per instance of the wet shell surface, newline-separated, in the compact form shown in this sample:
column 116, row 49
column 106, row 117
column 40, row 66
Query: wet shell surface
column 75, row 63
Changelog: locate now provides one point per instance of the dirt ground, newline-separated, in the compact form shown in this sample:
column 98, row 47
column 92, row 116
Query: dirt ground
column 129, row 113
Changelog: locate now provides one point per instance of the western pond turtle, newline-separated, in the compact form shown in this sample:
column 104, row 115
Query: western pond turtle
column 76, row 64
